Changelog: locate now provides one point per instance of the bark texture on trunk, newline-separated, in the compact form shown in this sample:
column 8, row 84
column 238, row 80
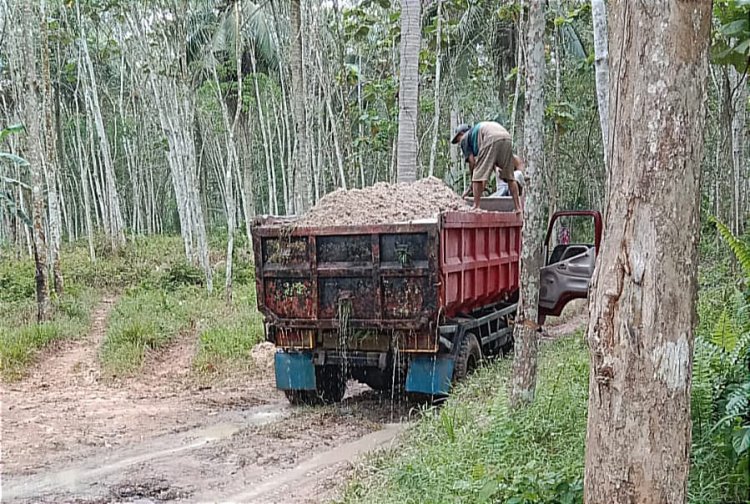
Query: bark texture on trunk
column 111, row 202
column 738, row 85
column 523, row 382
column 303, row 179
column 408, row 91
column 601, row 66
column 51, row 162
column 33, row 115
column 642, row 301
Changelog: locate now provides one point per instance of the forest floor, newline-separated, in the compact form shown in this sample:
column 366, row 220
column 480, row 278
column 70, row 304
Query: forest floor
column 71, row 434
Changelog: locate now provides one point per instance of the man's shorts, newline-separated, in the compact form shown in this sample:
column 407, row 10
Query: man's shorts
column 495, row 150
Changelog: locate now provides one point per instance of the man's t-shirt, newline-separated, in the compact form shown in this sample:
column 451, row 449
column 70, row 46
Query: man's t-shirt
column 470, row 142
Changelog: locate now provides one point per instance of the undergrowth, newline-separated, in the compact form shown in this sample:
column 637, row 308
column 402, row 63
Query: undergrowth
column 21, row 338
column 474, row 449
column 143, row 321
column 225, row 343
column 164, row 297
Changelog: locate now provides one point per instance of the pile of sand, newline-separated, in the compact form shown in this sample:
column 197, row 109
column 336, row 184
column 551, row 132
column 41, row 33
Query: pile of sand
column 263, row 355
column 384, row 203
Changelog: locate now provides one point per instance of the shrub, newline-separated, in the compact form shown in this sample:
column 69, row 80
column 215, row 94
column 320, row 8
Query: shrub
column 181, row 274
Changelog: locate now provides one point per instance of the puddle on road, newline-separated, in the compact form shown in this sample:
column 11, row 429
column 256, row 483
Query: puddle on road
column 80, row 478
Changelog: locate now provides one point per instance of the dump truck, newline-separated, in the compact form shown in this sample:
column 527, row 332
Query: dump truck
column 412, row 306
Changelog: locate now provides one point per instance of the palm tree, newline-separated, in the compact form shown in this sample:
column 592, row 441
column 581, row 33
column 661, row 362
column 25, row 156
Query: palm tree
column 301, row 157
column 408, row 94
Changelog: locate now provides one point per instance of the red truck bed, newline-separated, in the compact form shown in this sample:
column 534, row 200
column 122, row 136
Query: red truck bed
column 400, row 277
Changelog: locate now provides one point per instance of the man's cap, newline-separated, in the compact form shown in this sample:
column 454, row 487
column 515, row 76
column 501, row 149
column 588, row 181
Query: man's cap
column 460, row 129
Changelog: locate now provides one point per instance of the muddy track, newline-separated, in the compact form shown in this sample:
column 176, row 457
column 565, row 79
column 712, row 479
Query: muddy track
column 70, row 434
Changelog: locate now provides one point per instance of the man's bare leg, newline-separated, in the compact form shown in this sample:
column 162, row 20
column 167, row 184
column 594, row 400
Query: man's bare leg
column 478, row 188
column 513, row 186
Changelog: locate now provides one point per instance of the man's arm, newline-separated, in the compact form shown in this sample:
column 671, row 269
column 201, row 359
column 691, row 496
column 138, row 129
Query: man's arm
column 472, row 163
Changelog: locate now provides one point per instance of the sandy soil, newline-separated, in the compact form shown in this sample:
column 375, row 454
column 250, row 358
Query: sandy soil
column 70, row 434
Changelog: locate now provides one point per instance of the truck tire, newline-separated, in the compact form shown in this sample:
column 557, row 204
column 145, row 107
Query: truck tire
column 469, row 355
column 508, row 347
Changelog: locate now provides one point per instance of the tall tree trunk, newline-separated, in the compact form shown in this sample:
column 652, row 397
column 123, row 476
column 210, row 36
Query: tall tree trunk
column 302, row 176
column 738, row 84
column 642, row 302
column 519, row 73
column 31, row 100
column 523, row 382
column 601, row 66
column 51, row 162
column 436, row 118
column 112, row 199
column 408, row 91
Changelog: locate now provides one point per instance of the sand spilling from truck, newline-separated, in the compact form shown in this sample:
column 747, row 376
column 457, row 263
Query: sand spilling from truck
column 385, row 203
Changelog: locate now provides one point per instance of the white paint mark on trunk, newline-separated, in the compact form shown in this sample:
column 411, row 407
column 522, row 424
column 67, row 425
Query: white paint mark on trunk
column 671, row 363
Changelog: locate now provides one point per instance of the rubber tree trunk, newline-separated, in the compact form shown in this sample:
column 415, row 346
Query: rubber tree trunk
column 408, row 91
column 523, row 382
column 51, row 163
column 642, row 303
column 31, row 102
column 601, row 69
column 738, row 85
column 519, row 72
column 111, row 199
column 303, row 178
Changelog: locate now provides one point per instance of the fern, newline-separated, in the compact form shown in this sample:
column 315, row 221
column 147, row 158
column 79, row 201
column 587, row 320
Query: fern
column 723, row 334
column 738, row 400
column 741, row 351
column 740, row 249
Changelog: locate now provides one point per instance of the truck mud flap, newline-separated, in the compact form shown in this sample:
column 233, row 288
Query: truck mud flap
column 430, row 374
column 294, row 371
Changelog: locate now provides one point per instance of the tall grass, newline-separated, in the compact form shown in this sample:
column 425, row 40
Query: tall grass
column 474, row 449
column 21, row 338
column 225, row 344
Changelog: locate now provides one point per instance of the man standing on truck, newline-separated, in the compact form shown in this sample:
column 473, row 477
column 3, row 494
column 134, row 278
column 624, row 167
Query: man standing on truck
column 485, row 146
column 502, row 188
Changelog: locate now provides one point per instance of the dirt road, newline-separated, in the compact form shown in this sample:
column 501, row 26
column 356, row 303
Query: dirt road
column 70, row 434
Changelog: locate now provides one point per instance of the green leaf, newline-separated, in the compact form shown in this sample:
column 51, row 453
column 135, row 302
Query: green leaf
column 487, row 491
column 742, row 47
column 741, row 249
column 741, row 440
column 13, row 158
column 735, row 27
column 13, row 128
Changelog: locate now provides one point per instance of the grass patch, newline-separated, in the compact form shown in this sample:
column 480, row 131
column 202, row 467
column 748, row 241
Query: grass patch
column 151, row 319
column 226, row 342
column 145, row 320
column 164, row 297
column 474, row 449
column 21, row 338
